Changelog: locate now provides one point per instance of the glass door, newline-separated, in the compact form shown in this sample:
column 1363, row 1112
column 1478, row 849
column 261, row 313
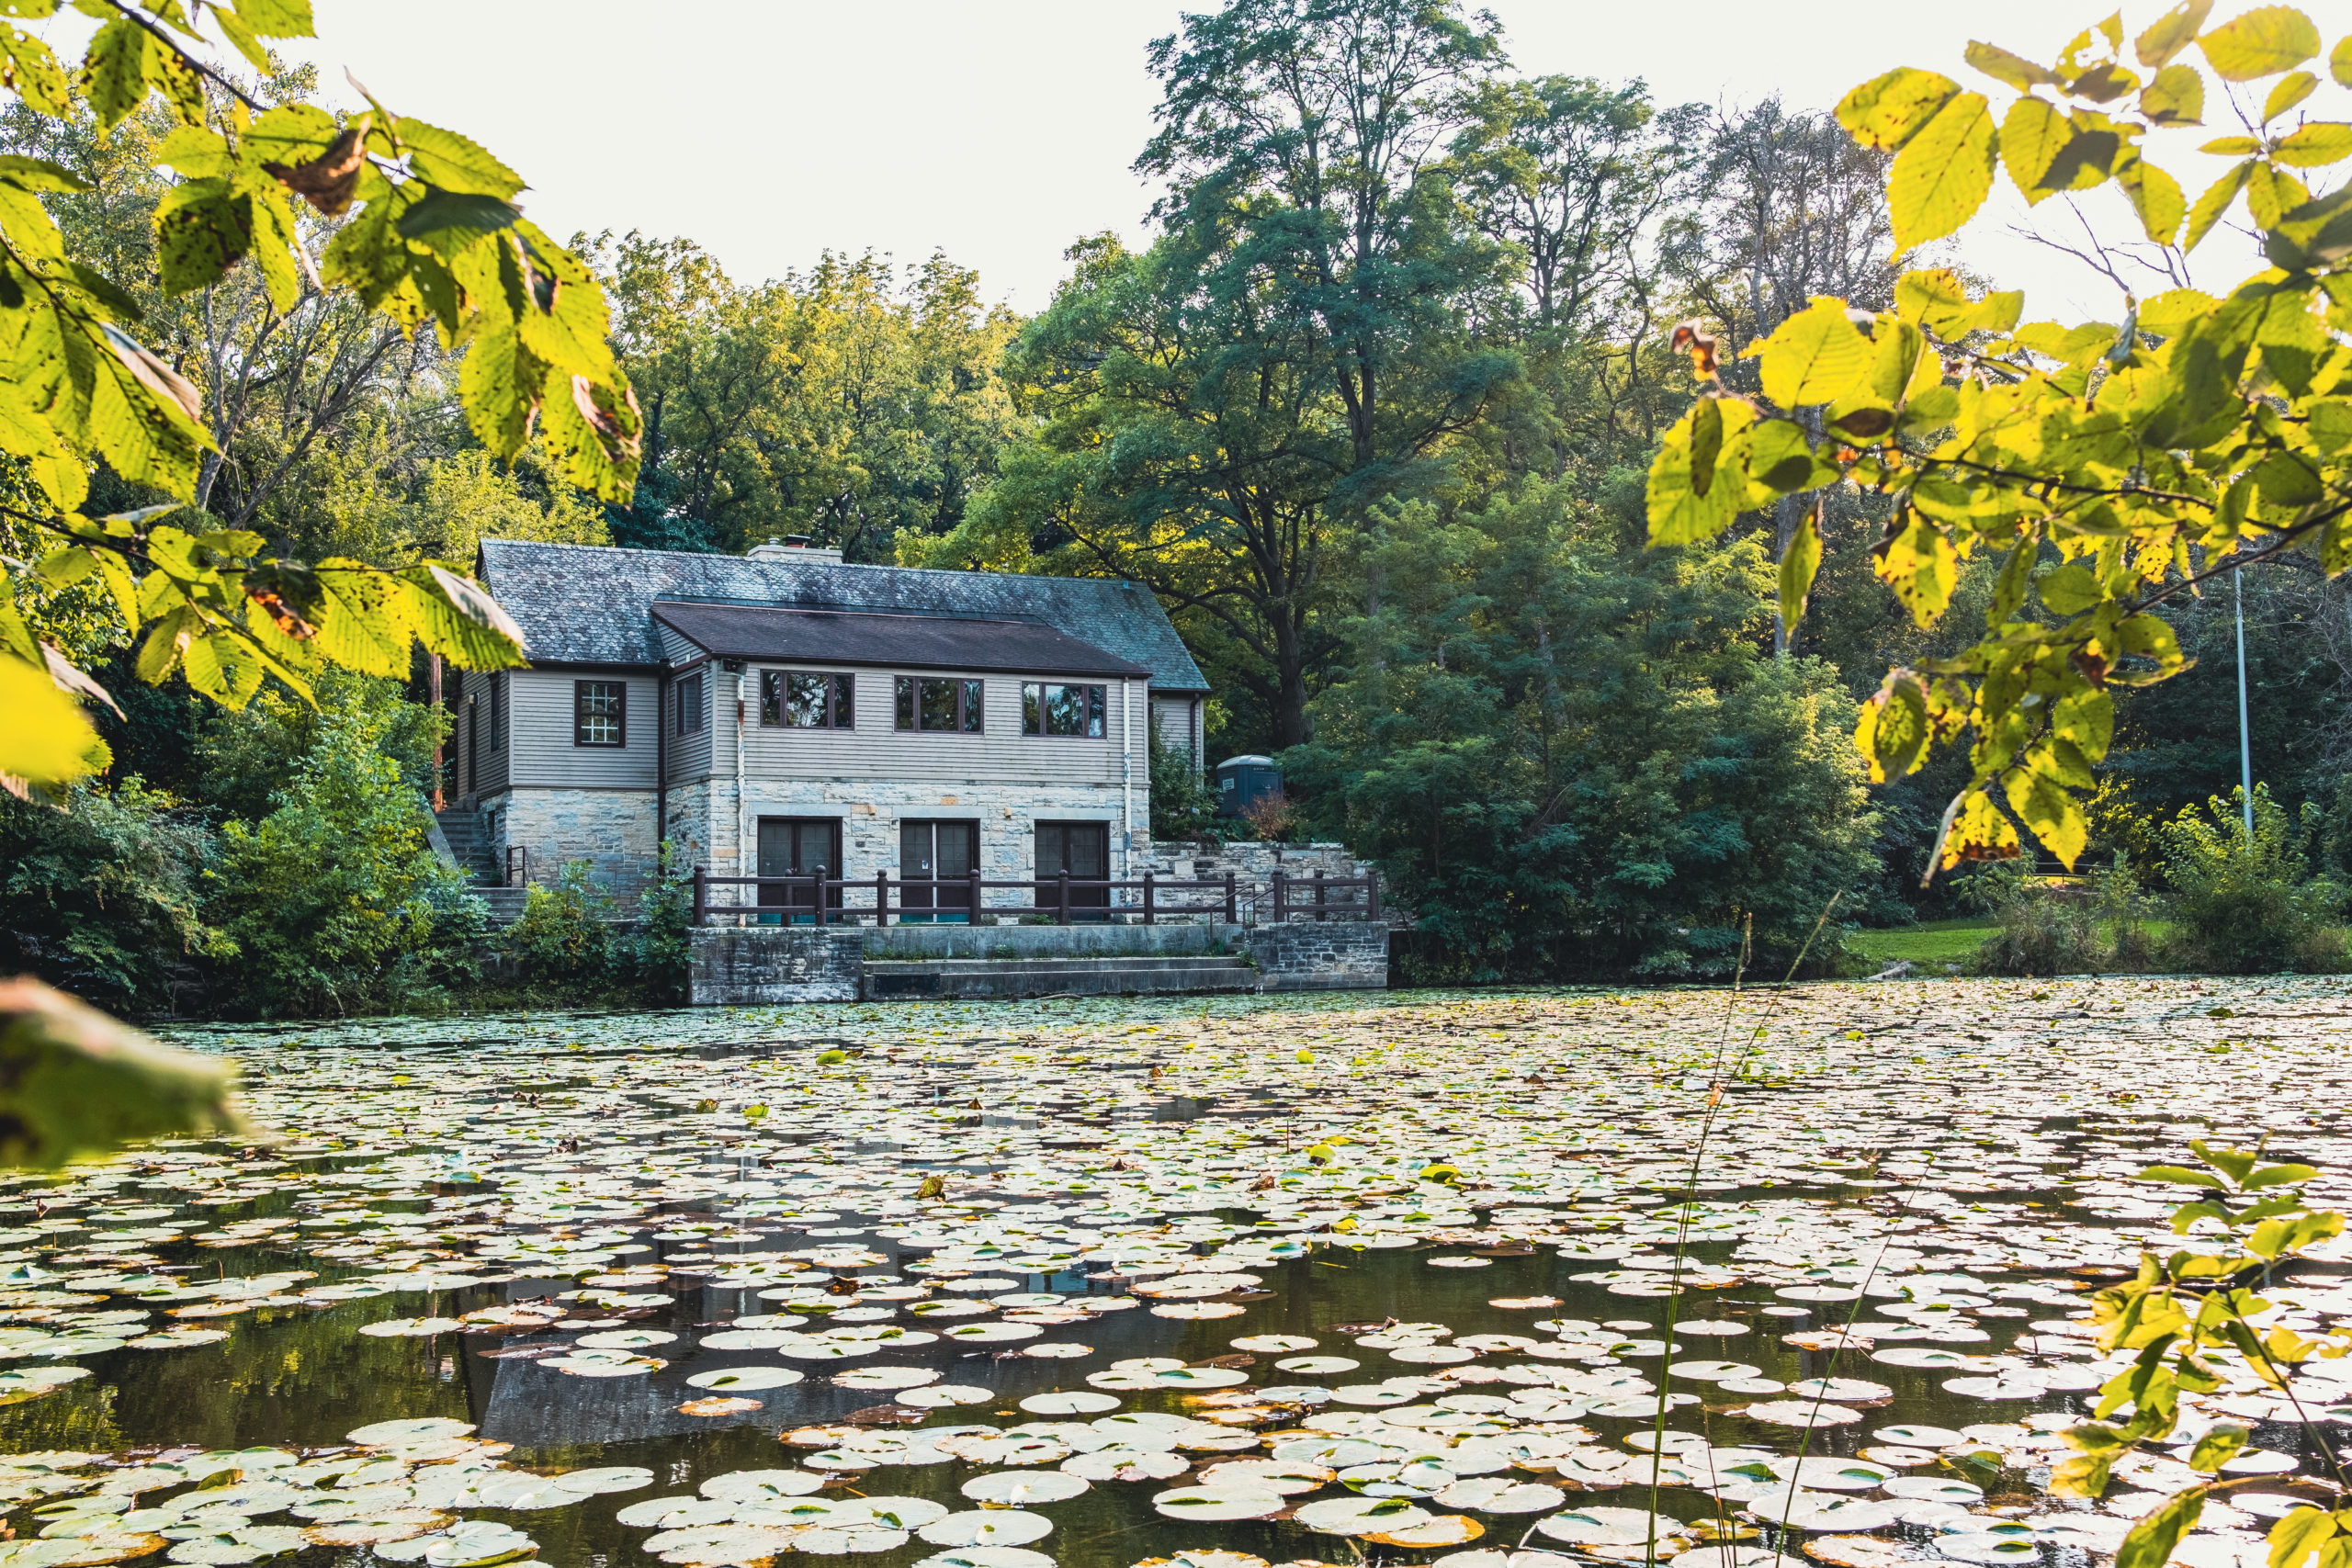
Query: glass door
column 935, row 860
column 799, row 846
column 1081, row 849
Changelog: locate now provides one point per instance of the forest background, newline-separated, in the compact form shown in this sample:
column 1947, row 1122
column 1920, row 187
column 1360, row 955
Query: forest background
column 1371, row 413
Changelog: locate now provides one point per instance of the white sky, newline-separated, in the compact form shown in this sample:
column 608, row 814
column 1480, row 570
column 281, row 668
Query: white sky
column 999, row 130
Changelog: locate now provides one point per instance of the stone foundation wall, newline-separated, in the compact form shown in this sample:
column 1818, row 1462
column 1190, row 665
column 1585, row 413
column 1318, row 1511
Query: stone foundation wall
column 1254, row 865
column 755, row 966
column 1320, row 955
column 766, row 965
column 871, row 812
column 1012, row 942
column 610, row 828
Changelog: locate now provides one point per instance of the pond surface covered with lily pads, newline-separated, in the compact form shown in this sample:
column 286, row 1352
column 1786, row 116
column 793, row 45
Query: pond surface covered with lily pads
column 1491, row 1279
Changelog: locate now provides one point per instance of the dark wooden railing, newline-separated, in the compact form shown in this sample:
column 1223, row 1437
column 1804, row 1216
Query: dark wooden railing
column 1068, row 899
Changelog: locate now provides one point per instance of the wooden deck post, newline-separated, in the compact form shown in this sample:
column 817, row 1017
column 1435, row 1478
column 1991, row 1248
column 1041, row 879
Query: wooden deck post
column 881, row 899
column 1281, row 914
column 1064, row 891
column 1232, row 902
column 973, row 918
column 1319, row 913
column 702, row 897
column 1148, row 917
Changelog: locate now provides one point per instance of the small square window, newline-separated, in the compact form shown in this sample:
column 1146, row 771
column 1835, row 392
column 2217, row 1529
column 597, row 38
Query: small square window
column 599, row 713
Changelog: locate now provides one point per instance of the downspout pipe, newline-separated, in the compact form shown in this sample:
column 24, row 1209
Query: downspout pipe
column 743, row 866
column 662, row 722
column 1126, row 778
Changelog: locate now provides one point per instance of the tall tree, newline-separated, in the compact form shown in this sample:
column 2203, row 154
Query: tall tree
column 1794, row 208
column 849, row 402
column 1304, row 339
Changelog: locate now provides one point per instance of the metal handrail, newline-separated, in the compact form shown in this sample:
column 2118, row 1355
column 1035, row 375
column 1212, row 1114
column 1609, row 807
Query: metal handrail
column 825, row 898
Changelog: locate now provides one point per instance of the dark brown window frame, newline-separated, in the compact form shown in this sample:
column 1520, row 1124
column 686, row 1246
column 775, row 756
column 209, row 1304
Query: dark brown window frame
column 971, row 705
column 840, row 686
column 580, row 715
column 1096, row 726
column 692, row 714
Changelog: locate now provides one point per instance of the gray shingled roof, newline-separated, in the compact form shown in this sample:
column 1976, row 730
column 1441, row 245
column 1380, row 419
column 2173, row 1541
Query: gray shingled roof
column 593, row 604
column 908, row 642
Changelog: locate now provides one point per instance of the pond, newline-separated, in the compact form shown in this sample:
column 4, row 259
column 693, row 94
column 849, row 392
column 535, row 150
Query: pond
column 1491, row 1279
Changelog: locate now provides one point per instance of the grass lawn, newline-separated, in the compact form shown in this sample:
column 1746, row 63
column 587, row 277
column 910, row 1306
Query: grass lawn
column 1931, row 942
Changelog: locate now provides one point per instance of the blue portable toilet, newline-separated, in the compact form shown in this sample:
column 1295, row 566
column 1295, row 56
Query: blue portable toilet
column 1242, row 782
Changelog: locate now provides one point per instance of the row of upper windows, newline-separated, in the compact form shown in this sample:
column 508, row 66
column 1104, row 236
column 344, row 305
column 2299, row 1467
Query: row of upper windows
column 806, row 700
column 795, row 700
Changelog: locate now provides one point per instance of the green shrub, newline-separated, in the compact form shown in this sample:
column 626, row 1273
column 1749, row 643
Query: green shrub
column 332, row 896
column 564, row 935
column 2044, row 931
column 103, row 898
column 1183, row 805
column 658, row 951
column 2248, row 906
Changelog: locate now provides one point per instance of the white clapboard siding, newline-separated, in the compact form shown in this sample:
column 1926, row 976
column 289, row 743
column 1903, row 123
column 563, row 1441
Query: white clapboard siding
column 539, row 733
column 875, row 749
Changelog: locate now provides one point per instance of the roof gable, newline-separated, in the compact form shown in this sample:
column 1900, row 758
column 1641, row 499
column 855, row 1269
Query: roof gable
column 593, row 604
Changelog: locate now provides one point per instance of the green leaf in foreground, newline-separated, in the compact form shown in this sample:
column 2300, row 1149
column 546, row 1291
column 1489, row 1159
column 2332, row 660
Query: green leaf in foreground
column 75, row 1083
column 2152, row 1539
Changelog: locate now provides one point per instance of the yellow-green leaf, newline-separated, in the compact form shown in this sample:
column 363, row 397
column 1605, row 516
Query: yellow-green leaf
column 2149, row 1542
column 2155, row 196
column 1887, row 111
column 2050, row 812
column 2263, row 42
column 2314, row 145
column 115, row 68
column 2289, row 90
column 2339, row 60
column 2032, row 135
column 2271, row 193
column 1814, row 355
column 1941, row 177
column 1892, row 731
column 2171, row 33
column 2176, row 98
column 2296, row 1534
column 1922, row 567
column 2215, row 202
column 1679, row 513
column 2217, row 1447
column 2002, row 66
column 1978, row 831
column 47, row 740
column 33, row 71
column 1798, row 563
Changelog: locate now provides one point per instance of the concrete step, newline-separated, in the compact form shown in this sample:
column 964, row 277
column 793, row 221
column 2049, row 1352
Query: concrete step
column 468, row 837
column 505, row 903
column 1189, row 974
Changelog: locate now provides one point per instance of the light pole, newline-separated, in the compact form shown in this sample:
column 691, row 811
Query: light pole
column 2246, row 747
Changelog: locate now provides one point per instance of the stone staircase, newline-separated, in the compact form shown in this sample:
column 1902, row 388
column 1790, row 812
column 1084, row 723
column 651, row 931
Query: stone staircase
column 465, row 838
column 1187, row 974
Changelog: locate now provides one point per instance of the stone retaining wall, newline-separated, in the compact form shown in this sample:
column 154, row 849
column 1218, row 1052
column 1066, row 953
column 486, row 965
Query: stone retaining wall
column 749, row 965
column 1320, row 955
column 769, row 964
